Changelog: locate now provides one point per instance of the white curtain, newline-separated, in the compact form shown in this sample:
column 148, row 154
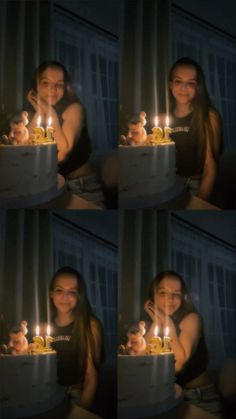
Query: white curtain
column 209, row 269
column 91, row 57
column 144, row 251
column 96, row 259
column 25, row 40
column 26, row 266
column 145, row 58
column 215, row 51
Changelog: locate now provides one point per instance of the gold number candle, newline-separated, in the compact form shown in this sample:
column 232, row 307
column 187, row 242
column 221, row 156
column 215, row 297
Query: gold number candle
column 157, row 131
column 167, row 341
column 49, row 339
column 155, row 342
column 50, row 130
column 38, row 130
column 167, row 129
column 38, row 341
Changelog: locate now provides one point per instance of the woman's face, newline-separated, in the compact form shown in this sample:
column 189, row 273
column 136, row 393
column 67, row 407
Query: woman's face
column 168, row 296
column 51, row 85
column 65, row 293
column 184, row 84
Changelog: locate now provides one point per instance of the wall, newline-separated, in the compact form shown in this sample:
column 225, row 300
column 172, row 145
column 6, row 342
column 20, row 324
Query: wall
column 221, row 13
column 103, row 13
column 219, row 223
column 102, row 223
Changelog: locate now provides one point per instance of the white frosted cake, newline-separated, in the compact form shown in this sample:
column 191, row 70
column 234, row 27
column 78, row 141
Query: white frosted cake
column 27, row 172
column 146, row 170
column 145, row 384
column 28, row 385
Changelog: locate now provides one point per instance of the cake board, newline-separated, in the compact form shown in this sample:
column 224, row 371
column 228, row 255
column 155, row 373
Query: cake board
column 154, row 200
column 35, row 200
column 157, row 410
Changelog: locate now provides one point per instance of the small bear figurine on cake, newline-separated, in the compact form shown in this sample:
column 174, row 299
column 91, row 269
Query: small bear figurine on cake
column 136, row 344
column 18, row 343
column 137, row 134
column 19, row 134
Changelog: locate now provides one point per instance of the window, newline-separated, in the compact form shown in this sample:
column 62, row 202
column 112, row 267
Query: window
column 209, row 268
column 216, row 53
column 91, row 58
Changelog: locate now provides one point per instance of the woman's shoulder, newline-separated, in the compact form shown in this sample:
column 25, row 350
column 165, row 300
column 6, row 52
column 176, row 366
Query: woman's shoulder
column 192, row 319
column 73, row 109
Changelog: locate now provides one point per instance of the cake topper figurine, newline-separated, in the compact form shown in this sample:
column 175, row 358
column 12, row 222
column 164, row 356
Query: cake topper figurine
column 137, row 134
column 19, row 134
column 18, row 343
column 136, row 344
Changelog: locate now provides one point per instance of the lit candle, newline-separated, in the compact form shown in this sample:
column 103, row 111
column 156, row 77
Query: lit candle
column 49, row 339
column 38, row 340
column 157, row 131
column 156, row 342
column 167, row 129
column 50, row 130
column 167, row 341
column 38, row 130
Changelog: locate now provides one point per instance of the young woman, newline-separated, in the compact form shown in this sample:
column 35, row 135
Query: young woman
column 52, row 95
column 196, row 125
column 78, row 338
column 169, row 305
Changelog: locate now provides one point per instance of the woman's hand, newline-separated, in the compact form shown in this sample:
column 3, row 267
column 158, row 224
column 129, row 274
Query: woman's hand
column 39, row 105
column 154, row 313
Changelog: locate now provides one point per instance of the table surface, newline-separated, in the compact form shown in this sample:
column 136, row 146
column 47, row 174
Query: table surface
column 196, row 203
column 185, row 410
column 64, row 412
column 68, row 200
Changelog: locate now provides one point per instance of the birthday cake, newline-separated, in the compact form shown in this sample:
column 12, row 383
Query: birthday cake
column 147, row 166
column 146, row 374
column 28, row 384
column 28, row 378
column 146, row 170
column 145, row 384
column 26, row 172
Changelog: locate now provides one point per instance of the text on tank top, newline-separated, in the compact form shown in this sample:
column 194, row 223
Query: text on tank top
column 186, row 147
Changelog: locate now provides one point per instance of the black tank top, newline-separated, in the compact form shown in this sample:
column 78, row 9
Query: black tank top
column 81, row 151
column 186, row 147
column 197, row 364
column 67, row 365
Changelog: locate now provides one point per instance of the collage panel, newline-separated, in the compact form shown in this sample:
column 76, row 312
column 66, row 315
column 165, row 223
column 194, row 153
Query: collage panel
column 177, row 315
column 177, row 105
column 58, row 104
column 58, row 314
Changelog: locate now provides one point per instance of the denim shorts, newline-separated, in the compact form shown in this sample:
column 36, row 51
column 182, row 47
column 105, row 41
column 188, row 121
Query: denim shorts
column 193, row 185
column 206, row 398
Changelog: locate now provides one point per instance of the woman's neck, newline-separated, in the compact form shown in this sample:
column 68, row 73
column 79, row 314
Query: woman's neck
column 182, row 110
column 63, row 319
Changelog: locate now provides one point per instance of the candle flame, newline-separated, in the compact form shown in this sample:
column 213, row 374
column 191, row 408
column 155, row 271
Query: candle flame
column 156, row 121
column 49, row 121
column 48, row 330
column 37, row 330
column 38, row 121
column 167, row 331
column 156, row 331
column 167, row 120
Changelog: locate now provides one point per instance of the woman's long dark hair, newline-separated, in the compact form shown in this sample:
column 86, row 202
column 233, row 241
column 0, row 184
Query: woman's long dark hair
column 82, row 337
column 202, row 105
column 70, row 96
column 187, row 305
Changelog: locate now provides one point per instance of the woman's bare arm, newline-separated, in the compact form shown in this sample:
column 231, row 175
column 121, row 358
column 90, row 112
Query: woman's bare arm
column 185, row 344
column 91, row 375
column 210, row 166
